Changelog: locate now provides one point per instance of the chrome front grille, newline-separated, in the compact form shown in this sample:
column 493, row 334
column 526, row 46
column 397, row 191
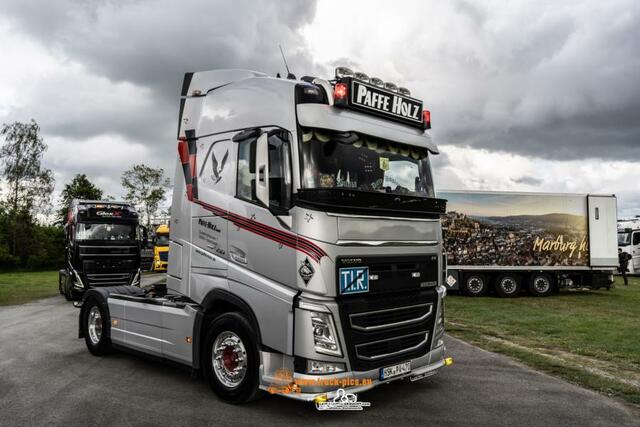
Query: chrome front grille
column 390, row 318
column 393, row 347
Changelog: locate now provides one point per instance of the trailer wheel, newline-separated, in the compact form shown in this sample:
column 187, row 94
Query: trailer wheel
column 95, row 324
column 474, row 285
column 232, row 358
column 540, row 285
column 507, row 285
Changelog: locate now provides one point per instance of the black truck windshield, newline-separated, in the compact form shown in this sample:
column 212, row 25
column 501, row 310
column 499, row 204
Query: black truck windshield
column 96, row 231
column 356, row 162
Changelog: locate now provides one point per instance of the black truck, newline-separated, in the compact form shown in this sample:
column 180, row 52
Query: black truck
column 102, row 247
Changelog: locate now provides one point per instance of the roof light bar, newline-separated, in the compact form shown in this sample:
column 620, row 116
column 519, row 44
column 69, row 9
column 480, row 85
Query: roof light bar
column 404, row 91
column 391, row 86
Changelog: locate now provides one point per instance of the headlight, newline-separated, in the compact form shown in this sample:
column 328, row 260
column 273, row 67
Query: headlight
column 325, row 338
column 319, row 367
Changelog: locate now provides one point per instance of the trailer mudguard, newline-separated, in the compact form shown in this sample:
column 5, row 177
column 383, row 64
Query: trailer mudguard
column 101, row 295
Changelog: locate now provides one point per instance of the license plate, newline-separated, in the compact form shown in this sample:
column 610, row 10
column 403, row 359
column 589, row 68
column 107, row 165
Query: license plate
column 395, row 370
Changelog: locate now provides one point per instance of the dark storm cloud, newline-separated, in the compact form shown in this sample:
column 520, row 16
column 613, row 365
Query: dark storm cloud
column 151, row 44
column 554, row 80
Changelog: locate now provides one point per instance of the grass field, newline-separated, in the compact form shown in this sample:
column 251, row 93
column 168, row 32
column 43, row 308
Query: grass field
column 591, row 338
column 18, row 288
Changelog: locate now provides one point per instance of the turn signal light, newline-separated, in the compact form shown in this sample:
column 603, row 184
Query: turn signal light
column 426, row 119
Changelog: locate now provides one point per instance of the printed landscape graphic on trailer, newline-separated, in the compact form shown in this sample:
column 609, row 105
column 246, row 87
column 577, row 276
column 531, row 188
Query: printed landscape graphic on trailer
column 504, row 229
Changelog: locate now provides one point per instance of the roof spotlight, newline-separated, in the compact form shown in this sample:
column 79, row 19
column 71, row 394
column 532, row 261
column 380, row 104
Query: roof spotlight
column 376, row 81
column 404, row 91
column 361, row 76
column 391, row 86
column 343, row 72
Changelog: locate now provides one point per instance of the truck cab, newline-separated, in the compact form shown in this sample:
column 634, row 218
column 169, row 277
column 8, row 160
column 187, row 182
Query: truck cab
column 102, row 247
column 629, row 242
column 161, row 248
column 305, row 249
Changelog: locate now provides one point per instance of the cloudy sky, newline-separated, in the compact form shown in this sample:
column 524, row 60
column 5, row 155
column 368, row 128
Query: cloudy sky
column 525, row 95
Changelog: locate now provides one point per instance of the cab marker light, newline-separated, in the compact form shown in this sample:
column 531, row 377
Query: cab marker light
column 448, row 361
column 361, row 76
column 188, row 340
column 114, row 322
column 391, row 86
column 342, row 72
column 377, row 82
column 340, row 92
column 426, row 119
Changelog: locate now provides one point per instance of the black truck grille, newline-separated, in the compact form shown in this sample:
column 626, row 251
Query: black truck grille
column 393, row 321
column 113, row 279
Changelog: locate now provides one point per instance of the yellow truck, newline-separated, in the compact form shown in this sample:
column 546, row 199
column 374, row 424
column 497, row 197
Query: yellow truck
column 161, row 249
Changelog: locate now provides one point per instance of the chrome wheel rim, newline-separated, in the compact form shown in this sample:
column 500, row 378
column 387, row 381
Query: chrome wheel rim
column 475, row 285
column 508, row 285
column 229, row 359
column 95, row 325
column 541, row 284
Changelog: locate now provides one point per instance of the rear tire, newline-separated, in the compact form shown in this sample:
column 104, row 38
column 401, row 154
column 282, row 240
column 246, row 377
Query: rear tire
column 96, row 328
column 507, row 286
column 540, row 285
column 232, row 358
column 474, row 285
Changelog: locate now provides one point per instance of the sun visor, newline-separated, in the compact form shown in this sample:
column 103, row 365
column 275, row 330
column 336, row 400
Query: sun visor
column 328, row 117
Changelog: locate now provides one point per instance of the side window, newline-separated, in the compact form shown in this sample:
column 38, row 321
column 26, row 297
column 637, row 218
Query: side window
column 279, row 170
column 636, row 238
column 216, row 168
column 246, row 181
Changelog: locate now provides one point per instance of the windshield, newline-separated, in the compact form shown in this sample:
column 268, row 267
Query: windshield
column 352, row 161
column 86, row 231
column 162, row 240
column 624, row 238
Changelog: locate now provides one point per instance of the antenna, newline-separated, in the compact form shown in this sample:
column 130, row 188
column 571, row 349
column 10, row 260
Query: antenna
column 289, row 74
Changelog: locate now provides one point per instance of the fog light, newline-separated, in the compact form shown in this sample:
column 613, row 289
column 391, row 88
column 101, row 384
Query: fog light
column 448, row 361
column 319, row 367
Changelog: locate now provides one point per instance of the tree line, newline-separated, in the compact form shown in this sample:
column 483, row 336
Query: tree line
column 31, row 231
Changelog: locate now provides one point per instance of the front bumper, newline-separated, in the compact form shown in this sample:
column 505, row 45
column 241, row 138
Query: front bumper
column 309, row 387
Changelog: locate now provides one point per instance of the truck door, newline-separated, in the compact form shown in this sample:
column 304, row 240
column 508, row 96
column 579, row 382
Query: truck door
column 603, row 231
column 258, row 240
column 209, row 227
column 635, row 251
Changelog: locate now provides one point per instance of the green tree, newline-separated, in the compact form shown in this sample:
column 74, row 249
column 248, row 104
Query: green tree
column 78, row 188
column 29, row 185
column 145, row 187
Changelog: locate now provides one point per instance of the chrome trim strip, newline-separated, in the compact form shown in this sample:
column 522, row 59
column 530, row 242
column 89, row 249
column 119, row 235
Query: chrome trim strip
column 387, row 242
column 395, row 353
column 391, row 325
column 395, row 218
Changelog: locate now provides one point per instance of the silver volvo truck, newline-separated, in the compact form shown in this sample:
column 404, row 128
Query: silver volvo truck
column 306, row 247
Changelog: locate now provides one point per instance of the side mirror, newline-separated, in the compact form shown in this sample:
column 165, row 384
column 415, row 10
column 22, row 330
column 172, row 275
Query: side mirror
column 262, row 169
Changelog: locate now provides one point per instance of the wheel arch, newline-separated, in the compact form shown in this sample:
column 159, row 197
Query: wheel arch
column 219, row 301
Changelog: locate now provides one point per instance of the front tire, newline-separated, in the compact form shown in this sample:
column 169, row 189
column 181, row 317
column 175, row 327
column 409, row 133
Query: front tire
column 507, row 286
column 95, row 325
column 475, row 285
column 232, row 358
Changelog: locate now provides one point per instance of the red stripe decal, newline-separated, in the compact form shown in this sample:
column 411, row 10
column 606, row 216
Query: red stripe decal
column 278, row 236
column 183, row 151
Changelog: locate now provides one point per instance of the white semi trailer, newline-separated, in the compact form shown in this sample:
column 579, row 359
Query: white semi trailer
column 306, row 250
column 507, row 242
